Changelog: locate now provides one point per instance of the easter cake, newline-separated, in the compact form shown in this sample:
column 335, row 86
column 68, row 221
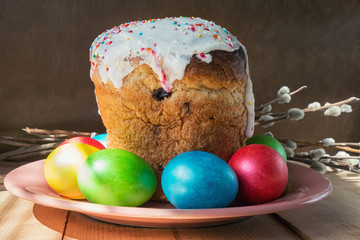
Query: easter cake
column 172, row 85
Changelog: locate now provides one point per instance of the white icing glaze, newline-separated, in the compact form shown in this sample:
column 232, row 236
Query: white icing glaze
column 166, row 45
column 249, row 100
column 249, row 103
column 204, row 57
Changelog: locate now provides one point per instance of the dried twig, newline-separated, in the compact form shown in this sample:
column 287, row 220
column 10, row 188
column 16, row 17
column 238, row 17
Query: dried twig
column 26, row 150
column 33, row 140
column 43, row 142
column 14, row 143
column 55, row 133
column 28, row 155
column 348, row 149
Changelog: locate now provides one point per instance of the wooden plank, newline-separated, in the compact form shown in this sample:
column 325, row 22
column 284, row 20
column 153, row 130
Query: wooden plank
column 258, row 227
column 18, row 219
column 337, row 216
column 81, row 226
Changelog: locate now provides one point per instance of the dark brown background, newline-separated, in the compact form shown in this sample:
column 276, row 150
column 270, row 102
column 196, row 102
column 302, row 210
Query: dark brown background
column 45, row 69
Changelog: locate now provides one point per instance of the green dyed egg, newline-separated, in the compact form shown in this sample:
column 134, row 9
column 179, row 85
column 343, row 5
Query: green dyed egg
column 268, row 141
column 116, row 177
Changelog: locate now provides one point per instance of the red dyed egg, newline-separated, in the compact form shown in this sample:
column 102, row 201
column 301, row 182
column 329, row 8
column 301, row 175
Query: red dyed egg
column 262, row 173
column 85, row 140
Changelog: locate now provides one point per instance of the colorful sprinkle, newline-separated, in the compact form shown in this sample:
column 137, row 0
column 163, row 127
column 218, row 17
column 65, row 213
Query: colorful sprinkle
column 145, row 28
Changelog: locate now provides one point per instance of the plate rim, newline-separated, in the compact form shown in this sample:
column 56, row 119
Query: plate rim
column 93, row 209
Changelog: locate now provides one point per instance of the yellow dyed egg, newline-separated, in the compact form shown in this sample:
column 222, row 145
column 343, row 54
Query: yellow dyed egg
column 61, row 168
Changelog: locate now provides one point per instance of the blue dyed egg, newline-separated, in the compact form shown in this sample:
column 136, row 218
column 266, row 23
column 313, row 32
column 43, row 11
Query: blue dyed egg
column 198, row 179
column 101, row 138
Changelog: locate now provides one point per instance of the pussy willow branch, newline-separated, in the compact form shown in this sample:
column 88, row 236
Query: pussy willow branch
column 277, row 98
column 310, row 161
column 349, row 100
column 340, row 146
column 339, row 157
column 320, row 143
column 283, row 117
column 286, row 115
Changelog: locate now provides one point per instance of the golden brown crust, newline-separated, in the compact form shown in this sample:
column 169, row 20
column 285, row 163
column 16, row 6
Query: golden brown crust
column 204, row 112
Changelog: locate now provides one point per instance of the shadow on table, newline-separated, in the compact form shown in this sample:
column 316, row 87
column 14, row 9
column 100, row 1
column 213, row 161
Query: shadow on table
column 80, row 226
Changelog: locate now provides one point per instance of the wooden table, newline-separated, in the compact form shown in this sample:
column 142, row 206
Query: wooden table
column 336, row 217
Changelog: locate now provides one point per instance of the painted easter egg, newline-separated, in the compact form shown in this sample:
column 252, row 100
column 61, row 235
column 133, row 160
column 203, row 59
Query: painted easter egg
column 85, row 140
column 261, row 171
column 61, row 168
column 116, row 177
column 102, row 138
column 268, row 141
column 199, row 179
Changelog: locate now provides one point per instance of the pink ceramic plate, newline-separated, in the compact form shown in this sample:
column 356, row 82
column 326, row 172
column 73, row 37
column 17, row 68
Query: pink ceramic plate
column 28, row 182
